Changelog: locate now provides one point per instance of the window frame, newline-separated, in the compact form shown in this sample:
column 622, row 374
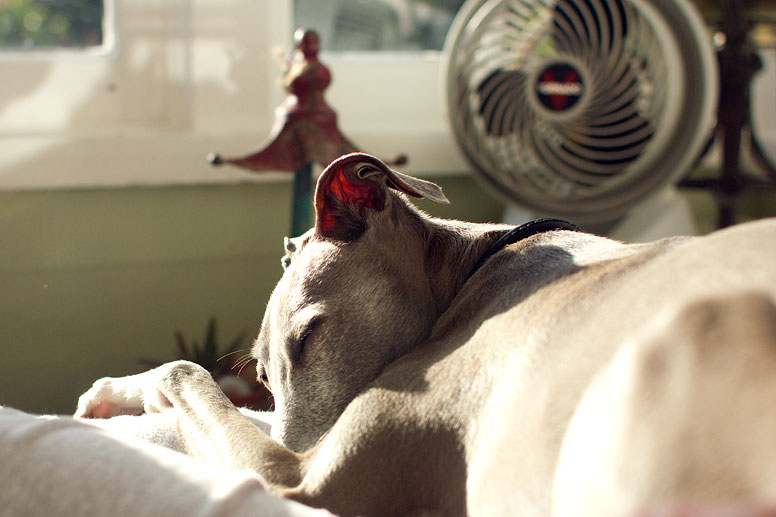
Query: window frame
column 47, row 54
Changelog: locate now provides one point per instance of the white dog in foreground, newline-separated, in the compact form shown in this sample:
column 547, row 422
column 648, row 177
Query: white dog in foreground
column 425, row 366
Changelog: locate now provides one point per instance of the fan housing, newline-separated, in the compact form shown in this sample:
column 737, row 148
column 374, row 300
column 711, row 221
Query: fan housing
column 580, row 108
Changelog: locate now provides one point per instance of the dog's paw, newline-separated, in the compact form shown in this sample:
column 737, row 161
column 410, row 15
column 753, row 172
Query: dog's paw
column 109, row 397
column 144, row 392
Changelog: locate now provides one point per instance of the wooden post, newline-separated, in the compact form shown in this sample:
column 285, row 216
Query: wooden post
column 302, row 200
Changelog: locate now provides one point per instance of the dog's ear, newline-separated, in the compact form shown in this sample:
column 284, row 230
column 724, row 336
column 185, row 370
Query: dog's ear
column 355, row 183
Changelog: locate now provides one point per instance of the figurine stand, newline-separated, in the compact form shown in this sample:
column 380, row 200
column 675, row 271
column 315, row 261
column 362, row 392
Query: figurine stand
column 302, row 200
column 738, row 63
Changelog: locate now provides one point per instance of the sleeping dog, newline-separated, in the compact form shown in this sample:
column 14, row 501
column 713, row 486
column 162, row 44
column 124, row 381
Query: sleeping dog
column 428, row 366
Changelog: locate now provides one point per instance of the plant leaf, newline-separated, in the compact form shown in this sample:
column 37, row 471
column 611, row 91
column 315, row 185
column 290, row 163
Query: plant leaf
column 183, row 347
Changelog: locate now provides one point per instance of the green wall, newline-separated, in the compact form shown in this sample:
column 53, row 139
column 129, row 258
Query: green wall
column 92, row 280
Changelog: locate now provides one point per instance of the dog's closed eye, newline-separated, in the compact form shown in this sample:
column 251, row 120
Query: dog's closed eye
column 300, row 345
column 261, row 375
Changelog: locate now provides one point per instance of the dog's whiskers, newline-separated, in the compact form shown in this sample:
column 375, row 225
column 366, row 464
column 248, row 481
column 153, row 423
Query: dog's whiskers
column 242, row 362
column 243, row 359
column 230, row 353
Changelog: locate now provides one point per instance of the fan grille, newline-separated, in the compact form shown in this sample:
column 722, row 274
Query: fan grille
column 574, row 106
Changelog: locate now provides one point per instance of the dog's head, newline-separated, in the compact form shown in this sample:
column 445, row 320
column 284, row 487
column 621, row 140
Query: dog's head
column 353, row 296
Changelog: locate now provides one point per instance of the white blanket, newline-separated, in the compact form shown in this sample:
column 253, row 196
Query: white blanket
column 60, row 466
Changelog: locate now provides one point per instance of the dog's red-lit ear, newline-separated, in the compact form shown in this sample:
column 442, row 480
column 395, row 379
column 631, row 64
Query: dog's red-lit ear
column 355, row 183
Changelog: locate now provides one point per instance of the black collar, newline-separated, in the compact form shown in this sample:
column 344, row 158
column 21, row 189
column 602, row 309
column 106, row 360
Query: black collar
column 521, row 232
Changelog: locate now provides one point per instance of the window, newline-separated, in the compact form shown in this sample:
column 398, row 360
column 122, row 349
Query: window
column 39, row 24
column 388, row 74
column 378, row 25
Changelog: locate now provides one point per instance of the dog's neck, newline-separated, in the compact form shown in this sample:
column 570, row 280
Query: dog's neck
column 448, row 271
column 450, row 251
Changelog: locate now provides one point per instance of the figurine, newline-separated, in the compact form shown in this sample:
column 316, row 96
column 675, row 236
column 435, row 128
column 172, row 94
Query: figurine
column 305, row 129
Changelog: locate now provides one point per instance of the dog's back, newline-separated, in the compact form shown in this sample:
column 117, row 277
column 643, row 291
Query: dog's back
column 682, row 420
column 566, row 373
column 701, row 305
column 481, row 409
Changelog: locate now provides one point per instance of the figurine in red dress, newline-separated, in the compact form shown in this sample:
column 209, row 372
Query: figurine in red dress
column 305, row 129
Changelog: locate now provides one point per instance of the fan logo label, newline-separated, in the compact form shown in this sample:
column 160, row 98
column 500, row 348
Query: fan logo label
column 559, row 87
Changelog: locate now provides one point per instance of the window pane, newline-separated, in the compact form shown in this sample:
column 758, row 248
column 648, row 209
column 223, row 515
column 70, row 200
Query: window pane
column 370, row 25
column 36, row 24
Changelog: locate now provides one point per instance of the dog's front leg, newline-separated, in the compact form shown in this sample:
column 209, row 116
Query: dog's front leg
column 212, row 428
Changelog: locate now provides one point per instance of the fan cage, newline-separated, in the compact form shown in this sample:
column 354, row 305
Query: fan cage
column 580, row 108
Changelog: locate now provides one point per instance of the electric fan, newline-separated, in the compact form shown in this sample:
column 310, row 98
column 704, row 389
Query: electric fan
column 580, row 108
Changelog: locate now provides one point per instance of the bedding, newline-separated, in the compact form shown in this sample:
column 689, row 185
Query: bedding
column 54, row 465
